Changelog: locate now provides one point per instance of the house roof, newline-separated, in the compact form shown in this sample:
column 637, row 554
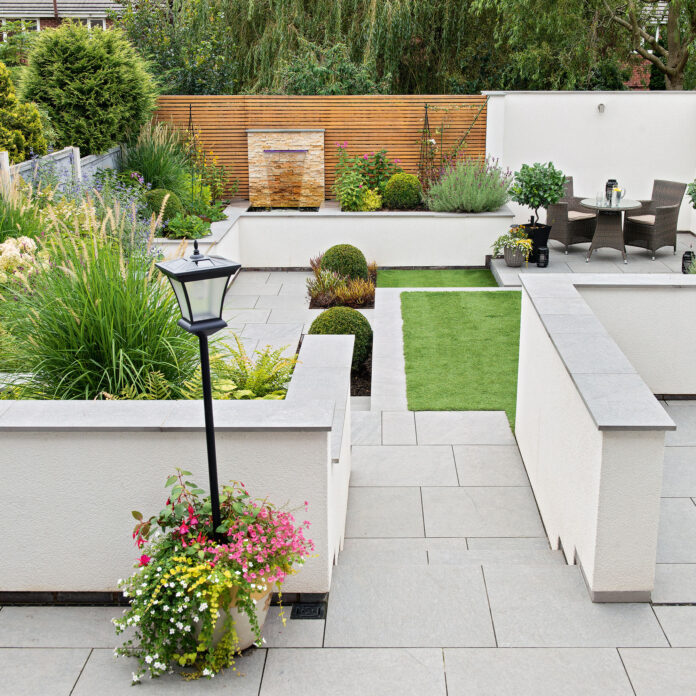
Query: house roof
column 26, row 9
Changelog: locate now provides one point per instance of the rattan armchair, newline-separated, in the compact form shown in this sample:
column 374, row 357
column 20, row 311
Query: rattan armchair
column 654, row 224
column 570, row 222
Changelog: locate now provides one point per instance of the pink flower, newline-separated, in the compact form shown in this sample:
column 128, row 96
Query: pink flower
column 144, row 560
column 184, row 528
column 365, row 156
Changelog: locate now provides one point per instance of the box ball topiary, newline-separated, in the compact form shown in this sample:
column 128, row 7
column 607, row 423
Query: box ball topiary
column 342, row 321
column 402, row 191
column 346, row 260
column 154, row 200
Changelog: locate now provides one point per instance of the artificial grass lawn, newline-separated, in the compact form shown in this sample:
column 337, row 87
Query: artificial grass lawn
column 436, row 278
column 461, row 350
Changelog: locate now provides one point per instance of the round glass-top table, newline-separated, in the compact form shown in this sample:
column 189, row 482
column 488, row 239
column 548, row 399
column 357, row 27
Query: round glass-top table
column 609, row 230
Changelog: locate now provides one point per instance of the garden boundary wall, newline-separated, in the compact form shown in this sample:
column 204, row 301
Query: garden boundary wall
column 633, row 137
column 365, row 123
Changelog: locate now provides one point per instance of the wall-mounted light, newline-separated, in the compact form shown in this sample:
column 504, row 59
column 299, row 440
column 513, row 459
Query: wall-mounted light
column 600, row 108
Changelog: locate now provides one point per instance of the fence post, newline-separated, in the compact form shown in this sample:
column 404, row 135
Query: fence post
column 4, row 162
column 76, row 165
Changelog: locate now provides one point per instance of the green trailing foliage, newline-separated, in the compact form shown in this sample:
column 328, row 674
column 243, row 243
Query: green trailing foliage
column 343, row 321
column 93, row 84
column 155, row 199
column 402, row 191
column 538, row 186
column 346, row 260
column 21, row 131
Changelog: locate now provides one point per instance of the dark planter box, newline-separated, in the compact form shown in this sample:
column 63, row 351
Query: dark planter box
column 539, row 234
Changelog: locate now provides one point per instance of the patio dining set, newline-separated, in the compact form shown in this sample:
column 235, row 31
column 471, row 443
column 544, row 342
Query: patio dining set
column 613, row 224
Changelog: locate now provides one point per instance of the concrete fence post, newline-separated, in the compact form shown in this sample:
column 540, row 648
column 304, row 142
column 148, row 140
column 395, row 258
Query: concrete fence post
column 4, row 162
column 76, row 165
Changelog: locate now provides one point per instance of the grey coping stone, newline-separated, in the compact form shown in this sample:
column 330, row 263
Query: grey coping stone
column 679, row 624
column 481, row 511
column 40, row 672
column 283, row 302
column 294, row 634
column 463, row 428
column 319, row 383
column 359, row 403
column 385, row 607
column 331, row 212
column 384, row 512
column 676, row 539
column 366, row 429
column 550, row 607
column 621, row 402
column 508, row 543
column 240, row 301
column 337, row 427
column 591, row 353
column 666, row 672
column 398, row 465
column 684, row 415
column 327, row 351
column 571, row 323
column 596, row 265
column 58, row 627
column 535, row 672
column 679, row 473
column 398, row 428
column 561, row 305
column 107, row 676
column 489, row 465
column 238, row 317
column 675, row 583
column 381, row 672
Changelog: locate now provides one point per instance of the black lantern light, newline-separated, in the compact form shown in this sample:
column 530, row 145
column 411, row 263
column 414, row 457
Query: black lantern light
column 200, row 283
column 543, row 257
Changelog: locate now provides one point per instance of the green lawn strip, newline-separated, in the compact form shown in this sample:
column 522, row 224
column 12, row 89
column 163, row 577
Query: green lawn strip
column 461, row 350
column 436, row 278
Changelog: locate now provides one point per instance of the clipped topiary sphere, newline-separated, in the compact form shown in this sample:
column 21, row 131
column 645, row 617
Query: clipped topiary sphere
column 154, row 200
column 402, row 191
column 346, row 260
column 342, row 321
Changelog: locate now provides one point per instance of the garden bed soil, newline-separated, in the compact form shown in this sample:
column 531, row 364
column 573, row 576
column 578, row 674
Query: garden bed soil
column 313, row 304
column 361, row 379
column 257, row 209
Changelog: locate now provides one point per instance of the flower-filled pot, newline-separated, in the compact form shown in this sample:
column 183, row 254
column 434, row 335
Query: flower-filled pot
column 199, row 595
column 688, row 261
column 513, row 256
column 539, row 234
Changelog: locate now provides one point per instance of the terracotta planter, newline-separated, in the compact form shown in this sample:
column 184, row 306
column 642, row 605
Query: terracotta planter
column 513, row 257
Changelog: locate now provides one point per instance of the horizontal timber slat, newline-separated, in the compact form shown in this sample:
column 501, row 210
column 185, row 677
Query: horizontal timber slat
column 365, row 123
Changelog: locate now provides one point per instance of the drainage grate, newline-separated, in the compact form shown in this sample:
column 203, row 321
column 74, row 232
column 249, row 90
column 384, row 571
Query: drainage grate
column 313, row 610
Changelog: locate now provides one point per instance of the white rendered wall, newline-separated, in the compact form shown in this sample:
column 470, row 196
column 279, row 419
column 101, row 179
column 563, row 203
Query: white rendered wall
column 639, row 137
column 655, row 327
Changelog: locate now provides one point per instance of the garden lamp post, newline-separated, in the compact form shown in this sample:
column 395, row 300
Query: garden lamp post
column 200, row 283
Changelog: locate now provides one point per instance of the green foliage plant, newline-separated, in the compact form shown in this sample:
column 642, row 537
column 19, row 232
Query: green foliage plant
column 515, row 238
column 164, row 202
column 538, row 186
column 691, row 193
column 371, row 201
column 402, row 191
column 20, row 124
column 159, row 154
column 375, row 168
column 94, row 85
column 346, row 260
column 183, row 226
column 97, row 320
column 343, row 321
column 470, row 186
column 349, row 189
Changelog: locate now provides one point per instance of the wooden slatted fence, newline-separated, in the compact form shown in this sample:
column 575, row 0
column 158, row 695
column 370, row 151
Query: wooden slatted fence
column 366, row 123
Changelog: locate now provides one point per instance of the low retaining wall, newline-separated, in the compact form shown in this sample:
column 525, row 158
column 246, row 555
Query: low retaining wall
column 286, row 239
column 73, row 471
column 589, row 429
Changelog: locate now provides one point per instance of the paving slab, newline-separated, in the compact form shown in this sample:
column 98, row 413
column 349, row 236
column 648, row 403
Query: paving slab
column 463, row 428
column 684, row 415
column 378, row 672
column 58, row 627
column 238, row 317
column 240, row 301
column 295, row 633
column 675, row 583
column 490, row 465
column 535, row 672
column 679, row 624
column 443, row 552
column 384, row 512
column 508, row 543
column 359, row 403
column 384, row 551
column 253, row 288
column 550, row 607
column 283, row 302
column 366, row 429
column 481, row 511
column 679, row 473
column 299, row 315
column 290, row 277
column 398, row 428
column 105, row 675
column 399, row 465
column 40, row 672
column 676, row 540
column 394, row 606
column 667, row 672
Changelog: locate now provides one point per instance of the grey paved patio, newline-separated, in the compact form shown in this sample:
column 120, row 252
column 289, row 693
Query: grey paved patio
column 446, row 585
